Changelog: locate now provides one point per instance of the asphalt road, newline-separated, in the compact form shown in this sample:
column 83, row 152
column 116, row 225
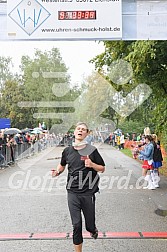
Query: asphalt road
column 34, row 203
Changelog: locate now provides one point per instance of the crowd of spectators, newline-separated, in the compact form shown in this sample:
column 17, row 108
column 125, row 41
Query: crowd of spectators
column 17, row 146
column 29, row 141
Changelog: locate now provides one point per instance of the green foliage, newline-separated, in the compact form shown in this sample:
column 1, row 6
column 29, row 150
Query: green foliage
column 127, row 152
column 32, row 86
column 149, row 63
column 132, row 126
column 163, row 136
column 94, row 100
column 5, row 72
column 12, row 93
column 39, row 82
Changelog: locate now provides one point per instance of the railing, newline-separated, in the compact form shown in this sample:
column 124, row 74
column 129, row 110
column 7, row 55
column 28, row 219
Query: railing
column 22, row 150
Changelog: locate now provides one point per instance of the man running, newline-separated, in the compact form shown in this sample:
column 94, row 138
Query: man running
column 84, row 162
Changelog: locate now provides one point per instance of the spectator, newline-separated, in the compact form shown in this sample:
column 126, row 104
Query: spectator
column 113, row 139
column 11, row 143
column 122, row 140
column 118, row 141
column 2, row 148
column 147, row 165
column 139, row 138
column 89, row 138
column 157, row 160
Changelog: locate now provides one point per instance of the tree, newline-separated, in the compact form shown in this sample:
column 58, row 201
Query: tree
column 95, row 104
column 12, row 93
column 5, row 72
column 149, row 63
column 40, row 77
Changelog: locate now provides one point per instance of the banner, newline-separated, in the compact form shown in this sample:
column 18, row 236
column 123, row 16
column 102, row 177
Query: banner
column 64, row 19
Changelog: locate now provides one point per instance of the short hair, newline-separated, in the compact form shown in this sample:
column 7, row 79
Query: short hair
column 82, row 123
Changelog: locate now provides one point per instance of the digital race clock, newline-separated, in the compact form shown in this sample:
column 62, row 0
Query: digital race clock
column 76, row 15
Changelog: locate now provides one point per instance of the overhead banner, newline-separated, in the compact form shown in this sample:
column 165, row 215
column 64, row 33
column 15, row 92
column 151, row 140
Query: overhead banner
column 64, row 19
column 154, row 14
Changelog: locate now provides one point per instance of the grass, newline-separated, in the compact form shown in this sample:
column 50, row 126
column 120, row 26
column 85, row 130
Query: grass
column 127, row 152
column 163, row 170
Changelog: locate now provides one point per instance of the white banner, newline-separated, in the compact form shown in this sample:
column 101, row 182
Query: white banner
column 152, row 20
column 64, row 19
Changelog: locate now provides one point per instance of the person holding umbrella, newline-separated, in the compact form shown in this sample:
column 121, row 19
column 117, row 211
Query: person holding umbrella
column 84, row 162
column 11, row 143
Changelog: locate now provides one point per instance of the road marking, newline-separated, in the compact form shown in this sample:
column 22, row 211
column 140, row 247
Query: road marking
column 154, row 234
column 122, row 235
column 86, row 235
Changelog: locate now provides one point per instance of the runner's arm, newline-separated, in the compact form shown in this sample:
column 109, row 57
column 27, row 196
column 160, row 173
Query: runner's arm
column 58, row 171
column 96, row 167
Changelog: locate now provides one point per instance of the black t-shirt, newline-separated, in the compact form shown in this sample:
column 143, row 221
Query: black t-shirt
column 80, row 178
column 2, row 143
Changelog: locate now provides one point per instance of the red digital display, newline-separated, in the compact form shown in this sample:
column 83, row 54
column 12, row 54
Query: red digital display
column 76, row 15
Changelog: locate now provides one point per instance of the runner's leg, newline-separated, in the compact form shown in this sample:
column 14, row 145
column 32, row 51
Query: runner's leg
column 76, row 218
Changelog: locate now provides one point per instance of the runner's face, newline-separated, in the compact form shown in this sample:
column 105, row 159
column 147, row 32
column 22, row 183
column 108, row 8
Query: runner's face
column 80, row 132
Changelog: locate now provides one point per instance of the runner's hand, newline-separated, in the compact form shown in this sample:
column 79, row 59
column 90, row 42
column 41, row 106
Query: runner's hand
column 55, row 173
column 88, row 162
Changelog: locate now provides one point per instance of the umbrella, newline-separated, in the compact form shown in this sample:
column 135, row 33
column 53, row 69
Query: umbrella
column 26, row 130
column 12, row 131
column 36, row 131
column 37, row 128
column 117, row 131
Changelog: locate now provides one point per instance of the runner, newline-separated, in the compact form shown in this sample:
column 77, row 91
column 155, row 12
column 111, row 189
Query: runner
column 84, row 162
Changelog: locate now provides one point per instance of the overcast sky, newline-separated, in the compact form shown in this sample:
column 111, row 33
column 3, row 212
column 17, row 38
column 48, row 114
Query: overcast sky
column 75, row 54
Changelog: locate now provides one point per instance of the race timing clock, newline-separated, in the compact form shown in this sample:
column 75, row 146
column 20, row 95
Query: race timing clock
column 77, row 15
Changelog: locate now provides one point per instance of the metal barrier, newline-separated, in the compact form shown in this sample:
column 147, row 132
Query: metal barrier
column 23, row 150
